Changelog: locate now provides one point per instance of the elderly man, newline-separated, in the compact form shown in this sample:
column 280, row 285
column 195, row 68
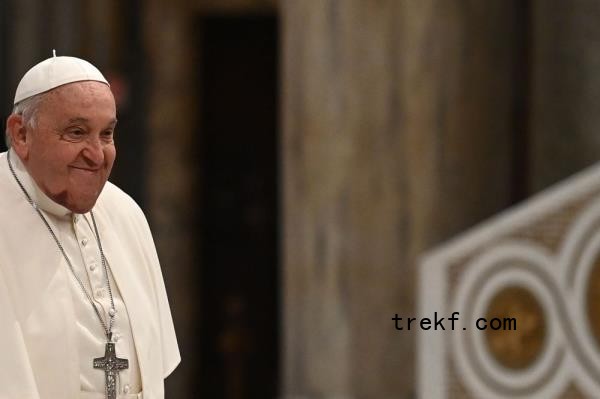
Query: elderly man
column 82, row 300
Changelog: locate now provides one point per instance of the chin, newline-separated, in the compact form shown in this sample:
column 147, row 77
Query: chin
column 80, row 202
column 78, row 208
column 82, row 209
column 81, row 205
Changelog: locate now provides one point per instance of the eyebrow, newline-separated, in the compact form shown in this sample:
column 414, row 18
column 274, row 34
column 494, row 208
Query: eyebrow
column 80, row 119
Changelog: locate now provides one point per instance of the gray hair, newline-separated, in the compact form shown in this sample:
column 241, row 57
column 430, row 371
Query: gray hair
column 27, row 108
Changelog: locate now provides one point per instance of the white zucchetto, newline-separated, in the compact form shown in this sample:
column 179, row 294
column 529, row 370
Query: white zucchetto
column 54, row 72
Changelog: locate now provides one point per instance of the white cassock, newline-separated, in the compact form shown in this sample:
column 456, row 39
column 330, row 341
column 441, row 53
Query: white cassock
column 49, row 333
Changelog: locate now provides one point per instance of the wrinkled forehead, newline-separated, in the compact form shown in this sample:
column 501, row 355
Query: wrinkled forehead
column 85, row 99
column 83, row 90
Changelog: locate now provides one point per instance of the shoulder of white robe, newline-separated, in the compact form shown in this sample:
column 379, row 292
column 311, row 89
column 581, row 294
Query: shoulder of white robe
column 170, row 349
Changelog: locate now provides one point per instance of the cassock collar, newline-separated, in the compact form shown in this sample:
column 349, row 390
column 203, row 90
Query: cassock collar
column 37, row 195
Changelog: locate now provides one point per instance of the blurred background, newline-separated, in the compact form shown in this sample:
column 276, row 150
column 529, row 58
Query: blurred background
column 295, row 158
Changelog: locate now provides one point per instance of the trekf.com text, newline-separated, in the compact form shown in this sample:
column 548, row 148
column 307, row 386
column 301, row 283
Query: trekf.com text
column 440, row 323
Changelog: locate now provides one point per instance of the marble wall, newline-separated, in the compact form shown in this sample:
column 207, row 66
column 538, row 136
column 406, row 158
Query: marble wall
column 398, row 123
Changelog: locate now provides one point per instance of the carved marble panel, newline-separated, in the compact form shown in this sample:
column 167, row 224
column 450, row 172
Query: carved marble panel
column 533, row 273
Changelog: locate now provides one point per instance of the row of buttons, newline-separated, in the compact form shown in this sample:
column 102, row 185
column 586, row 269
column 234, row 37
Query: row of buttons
column 84, row 241
column 100, row 292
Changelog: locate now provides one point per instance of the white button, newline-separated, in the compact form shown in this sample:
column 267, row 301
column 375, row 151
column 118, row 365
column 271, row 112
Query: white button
column 75, row 218
column 126, row 388
column 116, row 337
column 93, row 267
column 99, row 292
column 84, row 241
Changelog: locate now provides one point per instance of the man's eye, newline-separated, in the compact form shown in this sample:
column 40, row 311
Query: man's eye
column 107, row 135
column 75, row 134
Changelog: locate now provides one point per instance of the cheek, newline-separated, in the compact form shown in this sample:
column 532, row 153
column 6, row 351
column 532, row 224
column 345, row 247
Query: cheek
column 110, row 153
column 46, row 159
column 55, row 165
column 58, row 153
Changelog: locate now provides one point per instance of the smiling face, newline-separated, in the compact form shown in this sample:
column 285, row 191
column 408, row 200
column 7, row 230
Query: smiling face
column 69, row 151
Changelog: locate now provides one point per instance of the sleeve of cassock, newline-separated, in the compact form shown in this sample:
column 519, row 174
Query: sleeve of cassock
column 16, row 377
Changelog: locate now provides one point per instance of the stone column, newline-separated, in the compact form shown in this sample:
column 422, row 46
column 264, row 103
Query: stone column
column 565, row 92
column 172, row 174
column 24, row 46
column 100, row 32
column 397, row 133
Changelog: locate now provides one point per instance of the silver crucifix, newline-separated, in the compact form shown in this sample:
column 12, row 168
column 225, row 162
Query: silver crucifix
column 111, row 365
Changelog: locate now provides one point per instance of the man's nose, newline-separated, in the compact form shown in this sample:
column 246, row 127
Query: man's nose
column 94, row 151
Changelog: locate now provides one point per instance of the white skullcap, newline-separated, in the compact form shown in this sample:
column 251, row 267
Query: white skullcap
column 54, row 72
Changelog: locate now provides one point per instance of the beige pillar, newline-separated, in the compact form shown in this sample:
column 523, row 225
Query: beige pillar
column 24, row 47
column 565, row 92
column 172, row 173
column 397, row 127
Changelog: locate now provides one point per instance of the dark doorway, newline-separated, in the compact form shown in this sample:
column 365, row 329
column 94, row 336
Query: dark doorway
column 239, row 219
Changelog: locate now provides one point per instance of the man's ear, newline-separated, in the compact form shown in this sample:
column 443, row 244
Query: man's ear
column 17, row 131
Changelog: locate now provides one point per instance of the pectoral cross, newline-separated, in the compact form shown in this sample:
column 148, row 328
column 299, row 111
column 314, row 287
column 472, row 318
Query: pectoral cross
column 111, row 365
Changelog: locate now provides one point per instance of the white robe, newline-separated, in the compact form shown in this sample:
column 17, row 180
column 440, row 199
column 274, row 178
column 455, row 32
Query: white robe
column 38, row 328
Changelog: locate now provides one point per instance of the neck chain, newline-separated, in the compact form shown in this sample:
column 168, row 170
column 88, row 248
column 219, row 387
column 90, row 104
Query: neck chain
column 106, row 325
